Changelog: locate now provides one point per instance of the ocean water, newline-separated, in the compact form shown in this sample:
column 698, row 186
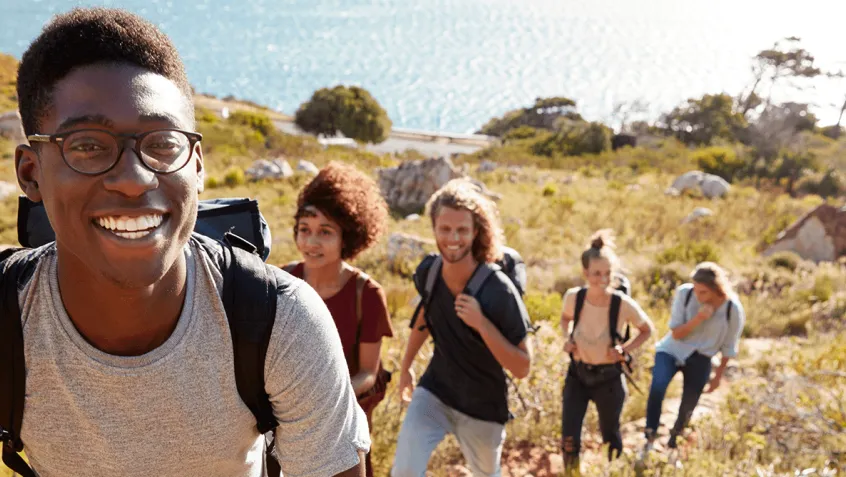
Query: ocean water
column 451, row 65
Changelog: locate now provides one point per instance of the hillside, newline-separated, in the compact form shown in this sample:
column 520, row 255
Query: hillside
column 780, row 412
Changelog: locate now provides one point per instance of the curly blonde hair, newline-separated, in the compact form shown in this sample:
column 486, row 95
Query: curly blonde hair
column 714, row 277
column 461, row 194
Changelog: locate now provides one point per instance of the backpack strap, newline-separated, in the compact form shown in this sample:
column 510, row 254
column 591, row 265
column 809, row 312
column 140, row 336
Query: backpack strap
column 581, row 295
column 250, row 297
column 728, row 310
column 16, row 268
column 479, row 277
column 687, row 297
column 361, row 280
column 431, row 278
column 614, row 319
column 290, row 267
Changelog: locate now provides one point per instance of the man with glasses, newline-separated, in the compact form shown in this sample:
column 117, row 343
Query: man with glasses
column 129, row 357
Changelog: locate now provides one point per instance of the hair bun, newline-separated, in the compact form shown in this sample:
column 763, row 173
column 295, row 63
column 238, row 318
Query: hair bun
column 597, row 242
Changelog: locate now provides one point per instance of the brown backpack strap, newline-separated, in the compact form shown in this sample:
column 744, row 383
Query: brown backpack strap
column 361, row 280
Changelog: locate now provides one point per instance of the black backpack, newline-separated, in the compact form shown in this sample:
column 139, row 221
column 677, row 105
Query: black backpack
column 247, row 281
column 511, row 265
column 728, row 310
column 623, row 287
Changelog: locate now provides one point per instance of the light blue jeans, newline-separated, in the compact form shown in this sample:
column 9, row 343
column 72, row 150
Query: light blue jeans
column 427, row 422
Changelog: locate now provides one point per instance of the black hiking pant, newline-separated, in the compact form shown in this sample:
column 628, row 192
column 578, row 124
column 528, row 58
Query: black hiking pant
column 608, row 396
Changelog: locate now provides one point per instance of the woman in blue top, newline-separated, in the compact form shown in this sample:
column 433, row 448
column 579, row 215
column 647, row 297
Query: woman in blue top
column 707, row 318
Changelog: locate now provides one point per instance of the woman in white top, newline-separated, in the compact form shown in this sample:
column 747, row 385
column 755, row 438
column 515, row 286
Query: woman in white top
column 597, row 349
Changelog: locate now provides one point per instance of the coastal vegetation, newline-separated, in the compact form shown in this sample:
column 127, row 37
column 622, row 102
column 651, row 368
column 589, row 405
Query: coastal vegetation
column 780, row 411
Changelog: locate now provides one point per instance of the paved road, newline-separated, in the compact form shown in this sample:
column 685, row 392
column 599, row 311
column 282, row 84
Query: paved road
column 397, row 142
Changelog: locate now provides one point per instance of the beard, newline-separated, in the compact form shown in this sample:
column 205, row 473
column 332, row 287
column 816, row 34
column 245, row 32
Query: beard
column 454, row 256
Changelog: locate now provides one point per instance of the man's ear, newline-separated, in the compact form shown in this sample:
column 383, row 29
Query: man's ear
column 28, row 170
column 201, row 169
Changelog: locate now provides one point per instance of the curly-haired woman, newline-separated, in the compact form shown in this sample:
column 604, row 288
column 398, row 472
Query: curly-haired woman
column 341, row 213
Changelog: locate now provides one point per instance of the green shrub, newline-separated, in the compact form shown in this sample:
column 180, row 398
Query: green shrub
column 543, row 306
column 771, row 234
column 259, row 122
column 550, row 190
column 720, row 161
column 234, row 177
column 823, row 287
column 785, row 259
column 576, row 139
column 829, row 184
column 690, row 252
column 212, row 182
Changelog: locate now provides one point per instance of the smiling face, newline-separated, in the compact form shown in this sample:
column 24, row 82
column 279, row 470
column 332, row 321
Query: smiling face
column 128, row 225
column 319, row 239
column 598, row 273
column 455, row 232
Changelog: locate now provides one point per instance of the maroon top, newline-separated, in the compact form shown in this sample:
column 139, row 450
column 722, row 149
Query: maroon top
column 375, row 321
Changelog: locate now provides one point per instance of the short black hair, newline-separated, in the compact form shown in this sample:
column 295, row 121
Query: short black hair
column 87, row 36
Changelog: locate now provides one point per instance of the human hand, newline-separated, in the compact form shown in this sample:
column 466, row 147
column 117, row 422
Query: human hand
column 705, row 311
column 714, row 383
column 570, row 346
column 468, row 309
column 406, row 385
column 617, row 354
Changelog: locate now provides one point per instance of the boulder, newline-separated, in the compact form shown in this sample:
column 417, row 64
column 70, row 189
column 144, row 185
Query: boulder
column 7, row 189
column 487, row 166
column 820, row 235
column 263, row 169
column 408, row 186
column 709, row 185
column 406, row 247
column 307, row 167
column 697, row 214
column 11, row 127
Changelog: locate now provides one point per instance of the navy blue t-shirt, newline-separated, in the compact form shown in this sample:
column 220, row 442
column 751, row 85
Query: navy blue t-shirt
column 463, row 373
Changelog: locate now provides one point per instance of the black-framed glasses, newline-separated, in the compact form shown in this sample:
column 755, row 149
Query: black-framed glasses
column 95, row 151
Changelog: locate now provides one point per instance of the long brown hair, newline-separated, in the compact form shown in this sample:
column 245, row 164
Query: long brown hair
column 714, row 277
column 461, row 194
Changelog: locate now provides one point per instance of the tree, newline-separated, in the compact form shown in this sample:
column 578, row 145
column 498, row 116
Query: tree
column 779, row 127
column 775, row 64
column 545, row 113
column 701, row 121
column 575, row 139
column 792, row 165
column 350, row 110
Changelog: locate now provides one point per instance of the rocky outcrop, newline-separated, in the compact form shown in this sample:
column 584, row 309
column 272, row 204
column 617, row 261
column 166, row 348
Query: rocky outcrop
column 487, row 166
column 307, row 167
column 407, row 248
column 11, row 127
column 7, row 189
column 820, row 235
column 408, row 186
column 709, row 185
column 263, row 169
column 697, row 214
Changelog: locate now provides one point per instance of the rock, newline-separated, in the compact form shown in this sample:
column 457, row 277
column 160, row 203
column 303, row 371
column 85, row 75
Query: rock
column 307, row 167
column 698, row 213
column 408, row 186
column 263, row 169
column 7, row 189
column 403, row 247
column 413, row 217
column 820, row 235
column 634, row 187
column 623, row 140
column 709, row 185
column 714, row 186
column 11, row 127
column 487, row 166
column 285, row 168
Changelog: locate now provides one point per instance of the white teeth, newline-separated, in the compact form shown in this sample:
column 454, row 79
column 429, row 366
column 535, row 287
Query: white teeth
column 131, row 227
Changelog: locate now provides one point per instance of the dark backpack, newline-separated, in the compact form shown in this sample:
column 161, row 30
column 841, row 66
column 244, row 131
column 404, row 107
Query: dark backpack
column 511, row 265
column 247, row 281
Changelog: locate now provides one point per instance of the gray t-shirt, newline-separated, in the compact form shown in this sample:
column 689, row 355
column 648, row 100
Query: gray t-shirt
column 176, row 410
